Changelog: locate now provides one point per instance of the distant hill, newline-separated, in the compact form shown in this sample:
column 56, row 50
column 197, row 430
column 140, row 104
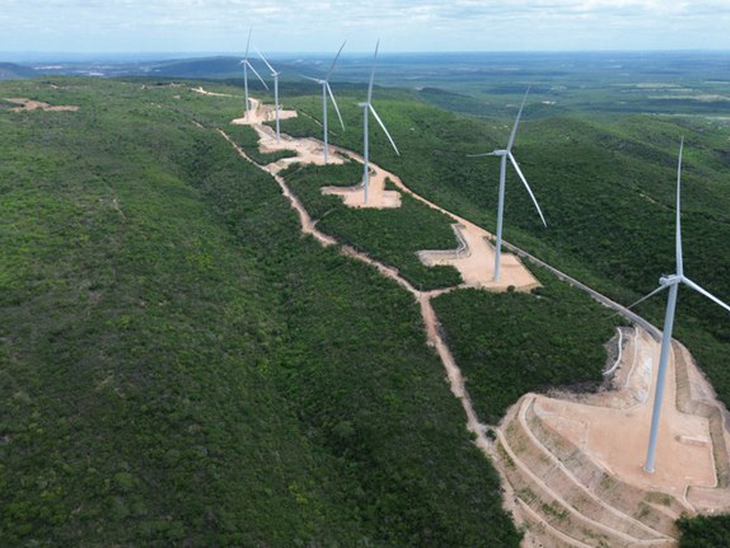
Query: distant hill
column 224, row 68
column 215, row 67
column 11, row 71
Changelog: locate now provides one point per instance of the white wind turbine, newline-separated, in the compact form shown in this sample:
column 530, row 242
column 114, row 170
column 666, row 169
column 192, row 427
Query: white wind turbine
column 247, row 65
column 504, row 155
column 367, row 109
column 275, row 74
column 672, row 283
column 327, row 90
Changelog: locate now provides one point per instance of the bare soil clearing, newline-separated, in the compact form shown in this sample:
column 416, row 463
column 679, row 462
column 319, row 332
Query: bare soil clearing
column 615, row 433
column 259, row 114
column 598, row 443
column 378, row 196
column 30, row 105
column 208, row 93
column 474, row 259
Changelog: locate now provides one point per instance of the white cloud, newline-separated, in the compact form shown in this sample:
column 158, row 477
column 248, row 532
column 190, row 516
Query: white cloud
column 217, row 25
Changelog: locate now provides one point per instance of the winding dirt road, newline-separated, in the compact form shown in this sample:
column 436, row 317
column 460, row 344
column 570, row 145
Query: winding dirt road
column 475, row 246
column 431, row 323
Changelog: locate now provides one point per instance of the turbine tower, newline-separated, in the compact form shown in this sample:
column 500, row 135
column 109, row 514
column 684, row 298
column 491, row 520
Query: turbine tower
column 504, row 155
column 247, row 65
column 672, row 283
column 275, row 74
column 327, row 90
column 367, row 109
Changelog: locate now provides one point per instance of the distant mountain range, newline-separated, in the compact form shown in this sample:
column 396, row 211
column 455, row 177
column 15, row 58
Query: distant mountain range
column 11, row 71
column 219, row 67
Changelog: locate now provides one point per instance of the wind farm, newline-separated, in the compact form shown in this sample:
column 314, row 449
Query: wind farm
column 228, row 321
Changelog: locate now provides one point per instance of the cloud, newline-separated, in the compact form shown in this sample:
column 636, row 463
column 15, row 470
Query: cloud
column 407, row 25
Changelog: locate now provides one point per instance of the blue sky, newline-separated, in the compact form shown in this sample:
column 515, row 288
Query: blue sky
column 403, row 25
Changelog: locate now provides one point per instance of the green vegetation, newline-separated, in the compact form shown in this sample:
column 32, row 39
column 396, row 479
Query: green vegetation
column 508, row 344
column 705, row 531
column 178, row 366
column 393, row 236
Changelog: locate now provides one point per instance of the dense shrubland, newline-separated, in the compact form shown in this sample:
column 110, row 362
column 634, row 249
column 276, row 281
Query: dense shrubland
column 178, row 365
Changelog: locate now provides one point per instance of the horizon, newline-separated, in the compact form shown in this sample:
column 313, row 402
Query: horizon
column 33, row 57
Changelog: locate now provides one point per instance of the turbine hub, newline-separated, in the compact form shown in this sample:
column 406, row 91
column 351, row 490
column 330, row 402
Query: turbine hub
column 669, row 279
column 363, row 105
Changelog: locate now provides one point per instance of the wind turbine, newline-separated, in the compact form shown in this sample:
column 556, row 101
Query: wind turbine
column 672, row 283
column 275, row 74
column 247, row 65
column 326, row 89
column 367, row 109
column 504, row 155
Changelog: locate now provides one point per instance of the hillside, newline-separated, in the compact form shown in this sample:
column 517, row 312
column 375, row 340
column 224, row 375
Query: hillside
column 180, row 366
column 587, row 175
column 204, row 374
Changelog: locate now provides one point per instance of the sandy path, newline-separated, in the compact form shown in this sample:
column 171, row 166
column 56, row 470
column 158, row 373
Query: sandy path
column 29, row 105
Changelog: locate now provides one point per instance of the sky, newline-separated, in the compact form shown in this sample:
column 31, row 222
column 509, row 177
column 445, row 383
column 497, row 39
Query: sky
column 403, row 25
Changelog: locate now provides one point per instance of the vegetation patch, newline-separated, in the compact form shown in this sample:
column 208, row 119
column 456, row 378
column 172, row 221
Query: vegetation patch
column 508, row 344
column 393, row 236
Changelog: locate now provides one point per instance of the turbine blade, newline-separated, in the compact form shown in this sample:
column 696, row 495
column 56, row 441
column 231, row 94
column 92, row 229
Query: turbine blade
column 527, row 186
column 312, row 79
column 392, row 142
column 257, row 75
column 248, row 42
column 481, row 155
column 265, row 61
column 372, row 73
column 680, row 260
column 650, row 295
column 517, row 122
column 704, row 292
column 332, row 66
column 334, row 103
